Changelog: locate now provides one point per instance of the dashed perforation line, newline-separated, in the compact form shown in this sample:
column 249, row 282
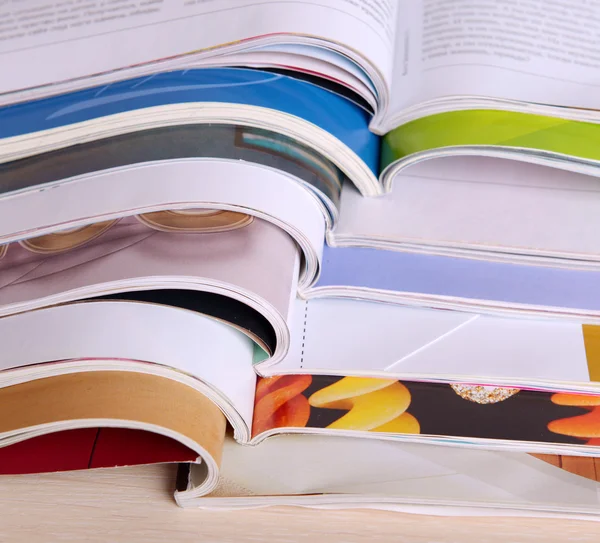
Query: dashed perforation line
column 304, row 333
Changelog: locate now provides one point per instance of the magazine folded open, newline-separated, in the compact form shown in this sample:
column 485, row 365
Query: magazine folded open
column 480, row 206
column 107, row 413
column 380, row 252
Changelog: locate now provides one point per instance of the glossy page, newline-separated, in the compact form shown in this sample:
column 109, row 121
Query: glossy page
column 333, row 113
column 152, row 251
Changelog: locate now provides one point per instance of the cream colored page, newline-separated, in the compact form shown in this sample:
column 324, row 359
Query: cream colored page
column 97, row 37
column 303, row 464
column 530, row 50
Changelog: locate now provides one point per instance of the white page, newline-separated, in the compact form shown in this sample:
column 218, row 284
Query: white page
column 344, row 336
column 306, row 59
column 298, row 464
column 116, row 36
column 209, row 350
column 530, row 50
column 141, row 188
column 406, row 71
column 481, row 203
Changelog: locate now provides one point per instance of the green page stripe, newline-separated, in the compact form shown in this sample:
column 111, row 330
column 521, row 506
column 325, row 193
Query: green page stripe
column 492, row 127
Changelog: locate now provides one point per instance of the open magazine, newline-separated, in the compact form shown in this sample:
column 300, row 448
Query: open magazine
column 134, row 132
column 262, row 280
column 340, row 472
column 197, row 254
column 117, row 382
column 424, row 67
column 137, row 339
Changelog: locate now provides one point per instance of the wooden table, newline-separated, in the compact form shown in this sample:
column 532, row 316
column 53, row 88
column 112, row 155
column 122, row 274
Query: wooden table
column 136, row 505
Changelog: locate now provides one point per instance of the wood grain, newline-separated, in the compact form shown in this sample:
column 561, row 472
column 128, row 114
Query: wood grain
column 578, row 465
column 136, row 505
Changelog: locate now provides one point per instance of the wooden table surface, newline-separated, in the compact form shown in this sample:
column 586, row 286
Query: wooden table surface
column 136, row 504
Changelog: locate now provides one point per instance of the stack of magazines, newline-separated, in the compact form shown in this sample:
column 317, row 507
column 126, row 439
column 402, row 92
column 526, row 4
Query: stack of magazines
column 366, row 230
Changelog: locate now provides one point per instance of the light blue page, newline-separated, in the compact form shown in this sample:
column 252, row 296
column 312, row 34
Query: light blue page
column 460, row 277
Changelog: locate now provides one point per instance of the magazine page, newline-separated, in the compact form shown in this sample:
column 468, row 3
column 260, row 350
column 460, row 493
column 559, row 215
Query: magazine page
column 168, row 342
column 527, row 51
column 226, row 141
column 235, row 313
column 147, row 406
column 105, row 38
column 230, row 252
column 114, row 447
column 281, row 103
column 350, row 472
column 346, row 337
column 480, row 204
column 482, row 286
column 209, row 196
column 467, row 415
